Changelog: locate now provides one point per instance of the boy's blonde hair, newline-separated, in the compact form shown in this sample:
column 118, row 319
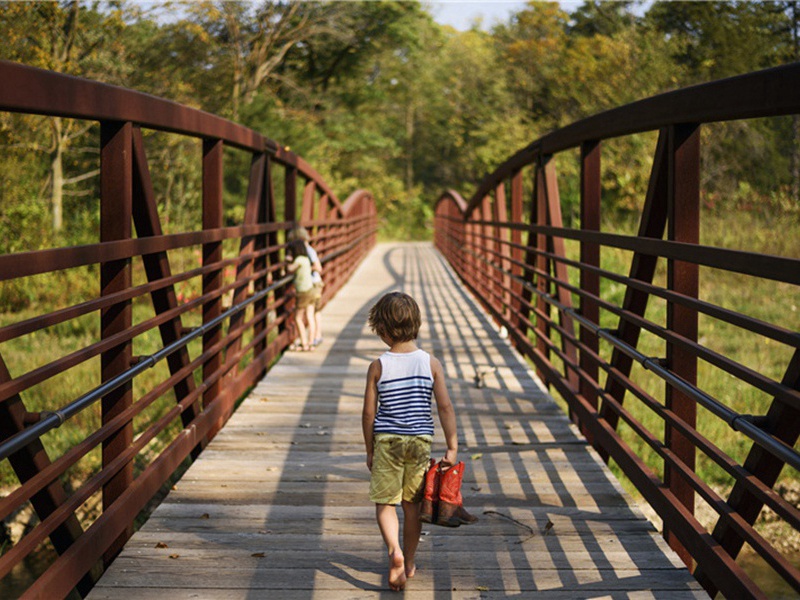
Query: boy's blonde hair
column 395, row 317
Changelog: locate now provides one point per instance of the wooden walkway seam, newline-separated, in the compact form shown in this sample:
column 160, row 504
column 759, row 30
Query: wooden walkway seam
column 276, row 506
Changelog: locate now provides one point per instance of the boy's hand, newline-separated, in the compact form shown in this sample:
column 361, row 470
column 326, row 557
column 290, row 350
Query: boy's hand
column 450, row 457
column 369, row 461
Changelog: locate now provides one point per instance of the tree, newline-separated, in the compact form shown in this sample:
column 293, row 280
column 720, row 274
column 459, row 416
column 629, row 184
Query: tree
column 62, row 37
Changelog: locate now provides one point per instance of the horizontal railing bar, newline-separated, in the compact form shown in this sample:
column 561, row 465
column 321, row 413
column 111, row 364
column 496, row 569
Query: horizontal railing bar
column 740, row 371
column 46, row 476
column 775, row 332
column 34, row 324
column 36, row 262
column 31, row 90
column 736, row 421
column 19, row 384
column 763, row 266
column 23, row 382
column 54, row 419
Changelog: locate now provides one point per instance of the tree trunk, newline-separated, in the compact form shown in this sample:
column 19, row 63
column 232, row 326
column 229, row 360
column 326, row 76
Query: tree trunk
column 57, row 175
column 409, row 145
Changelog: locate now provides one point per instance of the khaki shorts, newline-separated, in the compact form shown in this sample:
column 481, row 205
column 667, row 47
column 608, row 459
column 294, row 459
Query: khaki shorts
column 305, row 299
column 399, row 463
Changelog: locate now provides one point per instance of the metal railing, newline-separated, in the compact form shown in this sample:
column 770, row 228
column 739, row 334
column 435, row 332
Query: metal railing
column 528, row 269
column 145, row 431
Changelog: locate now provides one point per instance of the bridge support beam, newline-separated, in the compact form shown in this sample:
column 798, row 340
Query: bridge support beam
column 590, row 281
column 116, row 223
column 683, row 278
column 212, row 255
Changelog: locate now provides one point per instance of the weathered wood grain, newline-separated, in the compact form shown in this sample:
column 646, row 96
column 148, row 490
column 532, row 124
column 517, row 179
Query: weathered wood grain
column 277, row 507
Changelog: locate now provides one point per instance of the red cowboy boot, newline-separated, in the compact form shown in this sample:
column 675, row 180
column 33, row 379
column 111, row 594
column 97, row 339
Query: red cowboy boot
column 451, row 506
column 450, row 496
column 464, row 517
column 430, row 499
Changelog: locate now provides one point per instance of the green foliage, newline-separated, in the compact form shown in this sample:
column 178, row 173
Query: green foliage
column 376, row 95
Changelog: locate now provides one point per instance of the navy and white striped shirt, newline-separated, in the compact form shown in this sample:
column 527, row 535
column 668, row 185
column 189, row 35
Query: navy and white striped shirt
column 405, row 390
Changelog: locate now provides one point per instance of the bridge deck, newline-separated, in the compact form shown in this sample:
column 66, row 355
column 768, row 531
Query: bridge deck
column 277, row 507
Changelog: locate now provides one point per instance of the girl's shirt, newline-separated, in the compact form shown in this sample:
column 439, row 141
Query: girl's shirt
column 405, row 390
column 302, row 276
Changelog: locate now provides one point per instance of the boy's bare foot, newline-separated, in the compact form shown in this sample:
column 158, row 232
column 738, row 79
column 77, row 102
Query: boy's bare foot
column 397, row 572
column 411, row 570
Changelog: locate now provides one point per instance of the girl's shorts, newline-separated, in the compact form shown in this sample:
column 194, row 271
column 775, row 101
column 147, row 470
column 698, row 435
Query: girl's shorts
column 399, row 463
column 305, row 299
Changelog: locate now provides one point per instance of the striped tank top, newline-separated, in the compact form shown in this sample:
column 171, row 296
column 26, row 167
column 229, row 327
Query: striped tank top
column 405, row 389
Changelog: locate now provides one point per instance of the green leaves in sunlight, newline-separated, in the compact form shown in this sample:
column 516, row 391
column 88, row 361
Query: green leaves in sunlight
column 377, row 95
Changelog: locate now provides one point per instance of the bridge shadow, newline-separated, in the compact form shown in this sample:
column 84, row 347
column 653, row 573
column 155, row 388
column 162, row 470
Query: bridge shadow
column 345, row 349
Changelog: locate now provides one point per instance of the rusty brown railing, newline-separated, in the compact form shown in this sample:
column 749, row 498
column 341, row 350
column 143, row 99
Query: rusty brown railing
column 208, row 350
column 548, row 287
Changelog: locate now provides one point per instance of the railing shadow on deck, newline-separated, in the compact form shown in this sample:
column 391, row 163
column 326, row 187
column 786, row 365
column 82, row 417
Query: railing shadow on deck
column 545, row 283
column 529, row 431
column 457, row 329
column 202, row 352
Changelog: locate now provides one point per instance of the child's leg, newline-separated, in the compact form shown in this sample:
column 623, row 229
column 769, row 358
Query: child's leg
column 386, row 515
column 301, row 329
column 412, row 529
column 318, row 325
column 312, row 325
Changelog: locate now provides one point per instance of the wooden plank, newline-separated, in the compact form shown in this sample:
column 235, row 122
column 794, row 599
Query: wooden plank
column 286, row 478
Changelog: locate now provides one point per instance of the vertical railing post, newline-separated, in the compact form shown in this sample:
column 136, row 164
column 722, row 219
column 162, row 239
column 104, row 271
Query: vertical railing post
column 517, row 254
column 307, row 209
column 273, row 241
column 683, row 278
column 542, row 264
column 469, row 270
column 290, row 192
column 590, row 256
column 260, row 264
column 212, row 254
column 485, row 267
column 503, row 283
column 290, row 217
column 116, row 223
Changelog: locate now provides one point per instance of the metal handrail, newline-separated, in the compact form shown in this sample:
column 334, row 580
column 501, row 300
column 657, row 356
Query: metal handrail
column 744, row 423
column 54, row 419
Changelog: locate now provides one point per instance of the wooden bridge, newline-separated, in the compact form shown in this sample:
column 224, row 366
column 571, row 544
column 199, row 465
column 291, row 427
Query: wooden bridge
column 274, row 502
column 277, row 507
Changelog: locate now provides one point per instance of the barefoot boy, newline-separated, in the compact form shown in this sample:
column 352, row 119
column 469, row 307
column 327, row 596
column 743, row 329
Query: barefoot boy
column 398, row 427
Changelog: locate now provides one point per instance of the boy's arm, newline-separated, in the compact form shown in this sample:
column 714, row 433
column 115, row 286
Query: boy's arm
column 447, row 415
column 370, row 408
